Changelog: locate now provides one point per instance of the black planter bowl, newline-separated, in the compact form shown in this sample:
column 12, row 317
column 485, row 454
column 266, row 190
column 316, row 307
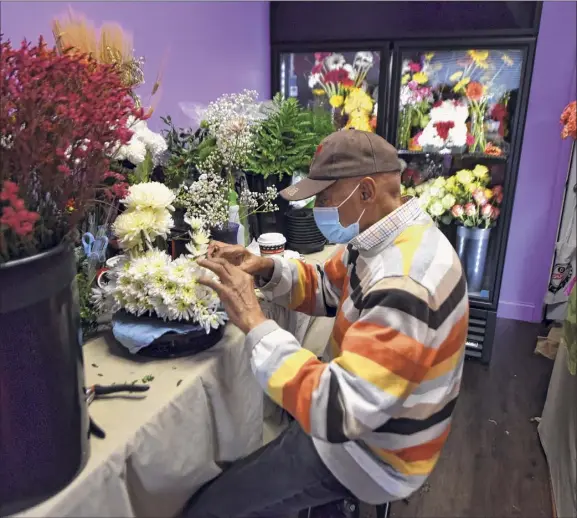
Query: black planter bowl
column 306, row 248
column 306, row 241
column 174, row 345
column 304, row 232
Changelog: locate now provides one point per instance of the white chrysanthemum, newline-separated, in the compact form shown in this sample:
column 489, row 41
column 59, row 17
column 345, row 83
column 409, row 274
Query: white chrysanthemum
column 149, row 195
column 134, row 151
column 132, row 227
column 436, row 208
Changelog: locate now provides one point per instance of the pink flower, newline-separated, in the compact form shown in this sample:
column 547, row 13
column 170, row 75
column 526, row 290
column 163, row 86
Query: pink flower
column 413, row 85
column 487, row 211
column 497, row 189
column 495, row 213
column 479, row 197
column 470, row 139
column 498, row 198
column 414, row 67
column 457, row 211
column 470, row 210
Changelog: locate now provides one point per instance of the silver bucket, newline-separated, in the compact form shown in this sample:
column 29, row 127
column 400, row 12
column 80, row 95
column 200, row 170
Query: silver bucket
column 472, row 247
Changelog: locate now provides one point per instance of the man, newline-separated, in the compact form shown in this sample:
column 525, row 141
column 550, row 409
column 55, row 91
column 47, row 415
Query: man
column 372, row 421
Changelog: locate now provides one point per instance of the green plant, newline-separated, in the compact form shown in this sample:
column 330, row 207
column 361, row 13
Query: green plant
column 285, row 142
column 184, row 148
column 84, row 281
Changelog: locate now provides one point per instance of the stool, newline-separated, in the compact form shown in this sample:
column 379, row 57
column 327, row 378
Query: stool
column 382, row 511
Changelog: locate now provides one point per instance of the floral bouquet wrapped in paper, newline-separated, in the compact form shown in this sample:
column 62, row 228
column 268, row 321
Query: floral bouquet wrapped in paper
column 152, row 295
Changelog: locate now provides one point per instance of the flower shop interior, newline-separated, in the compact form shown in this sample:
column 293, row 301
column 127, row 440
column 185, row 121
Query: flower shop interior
column 123, row 389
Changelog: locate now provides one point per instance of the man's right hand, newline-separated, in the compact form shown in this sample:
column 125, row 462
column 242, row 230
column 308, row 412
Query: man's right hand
column 239, row 256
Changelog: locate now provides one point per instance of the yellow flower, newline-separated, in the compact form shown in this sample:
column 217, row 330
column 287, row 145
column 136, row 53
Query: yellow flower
column 507, row 60
column 488, row 194
column 421, row 78
column 482, row 64
column 429, row 56
column 336, row 101
column 359, row 119
column 318, row 91
column 460, row 86
column 457, row 75
column 465, row 176
column 358, row 99
column 405, row 79
column 472, row 187
column 478, row 56
column 481, row 172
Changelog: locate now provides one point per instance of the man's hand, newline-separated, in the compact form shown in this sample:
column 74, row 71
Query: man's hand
column 236, row 292
column 238, row 255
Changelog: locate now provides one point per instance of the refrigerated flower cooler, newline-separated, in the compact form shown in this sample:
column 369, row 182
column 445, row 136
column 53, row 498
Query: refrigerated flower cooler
column 449, row 88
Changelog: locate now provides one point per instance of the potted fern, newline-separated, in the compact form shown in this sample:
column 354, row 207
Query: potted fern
column 285, row 143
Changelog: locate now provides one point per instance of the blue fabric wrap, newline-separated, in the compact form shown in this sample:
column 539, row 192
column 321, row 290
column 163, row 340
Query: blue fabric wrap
column 135, row 333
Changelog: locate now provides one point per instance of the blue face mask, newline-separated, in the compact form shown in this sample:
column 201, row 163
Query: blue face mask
column 327, row 219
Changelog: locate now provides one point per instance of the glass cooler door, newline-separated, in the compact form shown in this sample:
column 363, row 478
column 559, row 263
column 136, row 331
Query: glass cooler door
column 456, row 113
column 345, row 83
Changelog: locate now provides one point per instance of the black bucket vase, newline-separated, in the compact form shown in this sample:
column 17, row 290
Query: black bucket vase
column 302, row 233
column 270, row 221
column 43, row 415
column 227, row 234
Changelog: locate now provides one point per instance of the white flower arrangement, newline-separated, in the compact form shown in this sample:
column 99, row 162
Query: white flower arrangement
column 147, row 281
column 146, row 218
column 143, row 140
column 449, row 112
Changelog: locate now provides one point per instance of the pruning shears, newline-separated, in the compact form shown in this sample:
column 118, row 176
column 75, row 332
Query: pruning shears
column 94, row 391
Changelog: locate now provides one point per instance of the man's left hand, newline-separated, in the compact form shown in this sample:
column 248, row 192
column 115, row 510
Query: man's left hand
column 236, row 292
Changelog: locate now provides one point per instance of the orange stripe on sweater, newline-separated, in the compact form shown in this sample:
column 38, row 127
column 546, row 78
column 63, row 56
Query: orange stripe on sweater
column 335, row 269
column 298, row 392
column 398, row 353
column 423, row 451
column 306, row 289
column 454, row 341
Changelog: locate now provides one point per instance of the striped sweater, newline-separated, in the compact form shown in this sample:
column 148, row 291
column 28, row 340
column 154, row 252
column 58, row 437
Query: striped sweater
column 380, row 411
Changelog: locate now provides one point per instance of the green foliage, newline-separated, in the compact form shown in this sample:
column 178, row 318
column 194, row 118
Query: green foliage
column 286, row 141
column 184, row 147
column 88, row 313
column 142, row 172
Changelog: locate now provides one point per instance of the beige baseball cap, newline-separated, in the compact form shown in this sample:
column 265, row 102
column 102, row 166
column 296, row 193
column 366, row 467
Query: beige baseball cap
column 345, row 154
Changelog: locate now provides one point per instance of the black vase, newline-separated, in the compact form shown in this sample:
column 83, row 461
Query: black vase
column 269, row 221
column 303, row 235
column 227, row 234
column 43, row 415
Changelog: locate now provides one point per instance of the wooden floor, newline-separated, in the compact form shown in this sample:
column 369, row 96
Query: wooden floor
column 493, row 465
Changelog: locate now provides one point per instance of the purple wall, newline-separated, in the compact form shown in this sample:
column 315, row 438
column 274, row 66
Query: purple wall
column 209, row 48
column 543, row 167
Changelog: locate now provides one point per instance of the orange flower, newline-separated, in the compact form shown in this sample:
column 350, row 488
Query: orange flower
column 475, row 91
column 491, row 149
column 569, row 121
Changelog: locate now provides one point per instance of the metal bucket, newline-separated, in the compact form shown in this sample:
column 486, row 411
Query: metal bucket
column 472, row 247
column 43, row 415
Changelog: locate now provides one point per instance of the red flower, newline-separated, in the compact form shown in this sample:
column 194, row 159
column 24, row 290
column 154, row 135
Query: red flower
column 443, row 128
column 57, row 109
column 437, row 104
column 339, row 76
column 321, row 56
column 414, row 67
column 569, row 121
column 499, row 112
column 495, row 213
column 317, row 68
column 470, row 139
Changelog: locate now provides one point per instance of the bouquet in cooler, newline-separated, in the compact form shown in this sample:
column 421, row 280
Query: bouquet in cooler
column 477, row 205
column 447, row 128
column 345, row 87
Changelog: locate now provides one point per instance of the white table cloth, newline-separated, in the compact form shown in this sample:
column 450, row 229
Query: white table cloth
column 161, row 447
